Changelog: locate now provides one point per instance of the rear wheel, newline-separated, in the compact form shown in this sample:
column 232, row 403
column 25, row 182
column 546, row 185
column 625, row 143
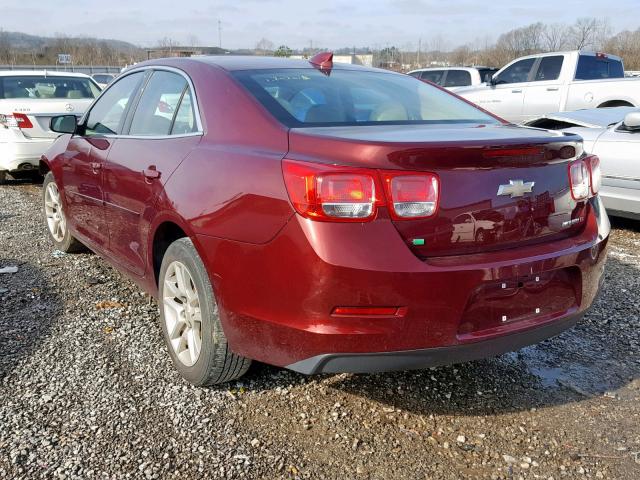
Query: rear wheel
column 191, row 321
column 56, row 219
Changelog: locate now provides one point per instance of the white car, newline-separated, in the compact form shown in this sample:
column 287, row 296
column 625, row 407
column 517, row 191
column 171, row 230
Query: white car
column 614, row 135
column 453, row 78
column 555, row 82
column 103, row 79
column 28, row 100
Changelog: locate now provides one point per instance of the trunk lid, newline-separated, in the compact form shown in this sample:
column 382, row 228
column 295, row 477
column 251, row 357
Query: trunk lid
column 472, row 162
column 40, row 111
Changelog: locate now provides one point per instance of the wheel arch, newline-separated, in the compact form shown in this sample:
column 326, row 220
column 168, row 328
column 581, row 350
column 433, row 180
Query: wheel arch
column 616, row 103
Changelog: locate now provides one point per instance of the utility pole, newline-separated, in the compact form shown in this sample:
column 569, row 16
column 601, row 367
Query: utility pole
column 219, row 33
column 418, row 54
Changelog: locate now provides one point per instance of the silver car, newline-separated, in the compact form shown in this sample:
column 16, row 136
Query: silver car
column 614, row 135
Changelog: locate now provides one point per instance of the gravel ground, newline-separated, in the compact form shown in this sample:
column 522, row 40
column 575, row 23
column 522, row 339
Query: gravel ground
column 87, row 390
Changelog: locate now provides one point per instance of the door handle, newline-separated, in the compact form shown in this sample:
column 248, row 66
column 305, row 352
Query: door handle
column 552, row 89
column 151, row 173
column 516, row 91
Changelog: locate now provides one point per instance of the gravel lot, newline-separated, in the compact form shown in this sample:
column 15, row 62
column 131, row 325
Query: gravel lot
column 87, row 390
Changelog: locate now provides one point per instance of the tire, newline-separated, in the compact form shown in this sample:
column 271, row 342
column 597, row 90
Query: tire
column 3, row 176
column 481, row 236
column 61, row 238
column 212, row 362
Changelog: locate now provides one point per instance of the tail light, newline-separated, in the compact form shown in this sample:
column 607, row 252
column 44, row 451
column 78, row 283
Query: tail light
column 336, row 193
column 331, row 193
column 19, row 120
column 412, row 195
column 579, row 179
column 595, row 176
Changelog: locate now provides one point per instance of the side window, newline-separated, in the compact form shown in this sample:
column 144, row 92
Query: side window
column 185, row 121
column 593, row 67
column 516, row 73
column 107, row 115
column 549, row 68
column 158, row 104
column 433, row 76
column 458, row 78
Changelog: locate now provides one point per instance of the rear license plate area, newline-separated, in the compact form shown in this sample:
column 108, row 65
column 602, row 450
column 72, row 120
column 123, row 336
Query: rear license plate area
column 541, row 296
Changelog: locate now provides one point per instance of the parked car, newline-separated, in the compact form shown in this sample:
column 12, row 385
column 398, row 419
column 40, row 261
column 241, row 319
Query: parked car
column 454, row 77
column 28, row 100
column 103, row 79
column 537, row 84
column 300, row 213
column 614, row 135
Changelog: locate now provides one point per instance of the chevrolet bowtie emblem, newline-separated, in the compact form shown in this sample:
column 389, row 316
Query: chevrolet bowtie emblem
column 516, row 188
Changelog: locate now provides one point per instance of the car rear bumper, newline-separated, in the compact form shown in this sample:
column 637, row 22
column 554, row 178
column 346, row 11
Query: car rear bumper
column 276, row 299
column 22, row 155
column 429, row 357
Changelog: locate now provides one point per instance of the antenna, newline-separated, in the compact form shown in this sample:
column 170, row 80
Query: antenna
column 219, row 33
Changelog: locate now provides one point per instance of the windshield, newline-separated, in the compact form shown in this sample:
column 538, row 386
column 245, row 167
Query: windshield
column 308, row 97
column 45, row 87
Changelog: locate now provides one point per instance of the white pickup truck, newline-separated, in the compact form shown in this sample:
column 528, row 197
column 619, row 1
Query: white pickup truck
column 555, row 82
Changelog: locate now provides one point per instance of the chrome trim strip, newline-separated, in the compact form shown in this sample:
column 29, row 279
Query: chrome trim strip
column 621, row 177
column 196, row 105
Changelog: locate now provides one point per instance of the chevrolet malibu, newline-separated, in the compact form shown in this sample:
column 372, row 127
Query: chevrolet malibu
column 305, row 214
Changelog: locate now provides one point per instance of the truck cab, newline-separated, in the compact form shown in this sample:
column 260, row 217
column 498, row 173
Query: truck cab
column 558, row 81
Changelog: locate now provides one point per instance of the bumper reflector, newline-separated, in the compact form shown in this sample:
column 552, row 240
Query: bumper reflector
column 369, row 311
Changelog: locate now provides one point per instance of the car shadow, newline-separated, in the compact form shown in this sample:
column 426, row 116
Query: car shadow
column 590, row 360
column 28, row 308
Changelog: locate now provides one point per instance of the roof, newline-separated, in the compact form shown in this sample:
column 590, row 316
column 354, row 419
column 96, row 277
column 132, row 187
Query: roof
column 48, row 73
column 248, row 62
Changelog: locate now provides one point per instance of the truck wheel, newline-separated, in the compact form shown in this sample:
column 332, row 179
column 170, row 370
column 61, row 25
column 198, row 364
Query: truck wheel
column 56, row 219
column 190, row 319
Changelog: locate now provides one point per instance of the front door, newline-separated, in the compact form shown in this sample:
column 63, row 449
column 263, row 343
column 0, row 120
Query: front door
column 505, row 97
column 83, row 167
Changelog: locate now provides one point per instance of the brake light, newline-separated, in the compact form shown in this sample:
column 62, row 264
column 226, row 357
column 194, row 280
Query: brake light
column 331, row 193
column 411, row 195
column 579, row 179
column 19, row 120
column 337, row 193
column 595, row 176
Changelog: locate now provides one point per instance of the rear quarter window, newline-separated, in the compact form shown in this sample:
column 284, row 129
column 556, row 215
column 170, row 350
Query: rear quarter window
column 591, row 67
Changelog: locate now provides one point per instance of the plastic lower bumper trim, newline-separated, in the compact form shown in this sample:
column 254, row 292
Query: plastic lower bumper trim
column 429, row 357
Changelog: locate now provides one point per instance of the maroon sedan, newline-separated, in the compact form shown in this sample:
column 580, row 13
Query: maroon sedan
column 326, row 218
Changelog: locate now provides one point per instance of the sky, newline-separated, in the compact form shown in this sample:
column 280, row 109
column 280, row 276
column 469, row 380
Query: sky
column 298, row 24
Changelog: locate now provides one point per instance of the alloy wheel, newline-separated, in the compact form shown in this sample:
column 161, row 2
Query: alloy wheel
column 182, row 313
column 53, row 209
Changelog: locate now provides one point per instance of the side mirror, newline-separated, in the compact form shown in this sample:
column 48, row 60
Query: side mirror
column 64, row 124
column 492, row 80
column 632, row 121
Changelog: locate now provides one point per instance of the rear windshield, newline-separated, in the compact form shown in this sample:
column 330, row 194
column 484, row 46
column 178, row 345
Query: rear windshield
column 308, row 97
column 591, row 67
column 35, row 86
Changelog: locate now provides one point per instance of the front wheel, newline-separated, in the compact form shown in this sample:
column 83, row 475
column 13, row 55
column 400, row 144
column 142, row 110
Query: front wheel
column 191, row 320
column 56, row 219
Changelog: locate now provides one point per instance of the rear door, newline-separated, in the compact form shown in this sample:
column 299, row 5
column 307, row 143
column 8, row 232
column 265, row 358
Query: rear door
column 82, row 170
column 161, row 132
column 544, row 93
